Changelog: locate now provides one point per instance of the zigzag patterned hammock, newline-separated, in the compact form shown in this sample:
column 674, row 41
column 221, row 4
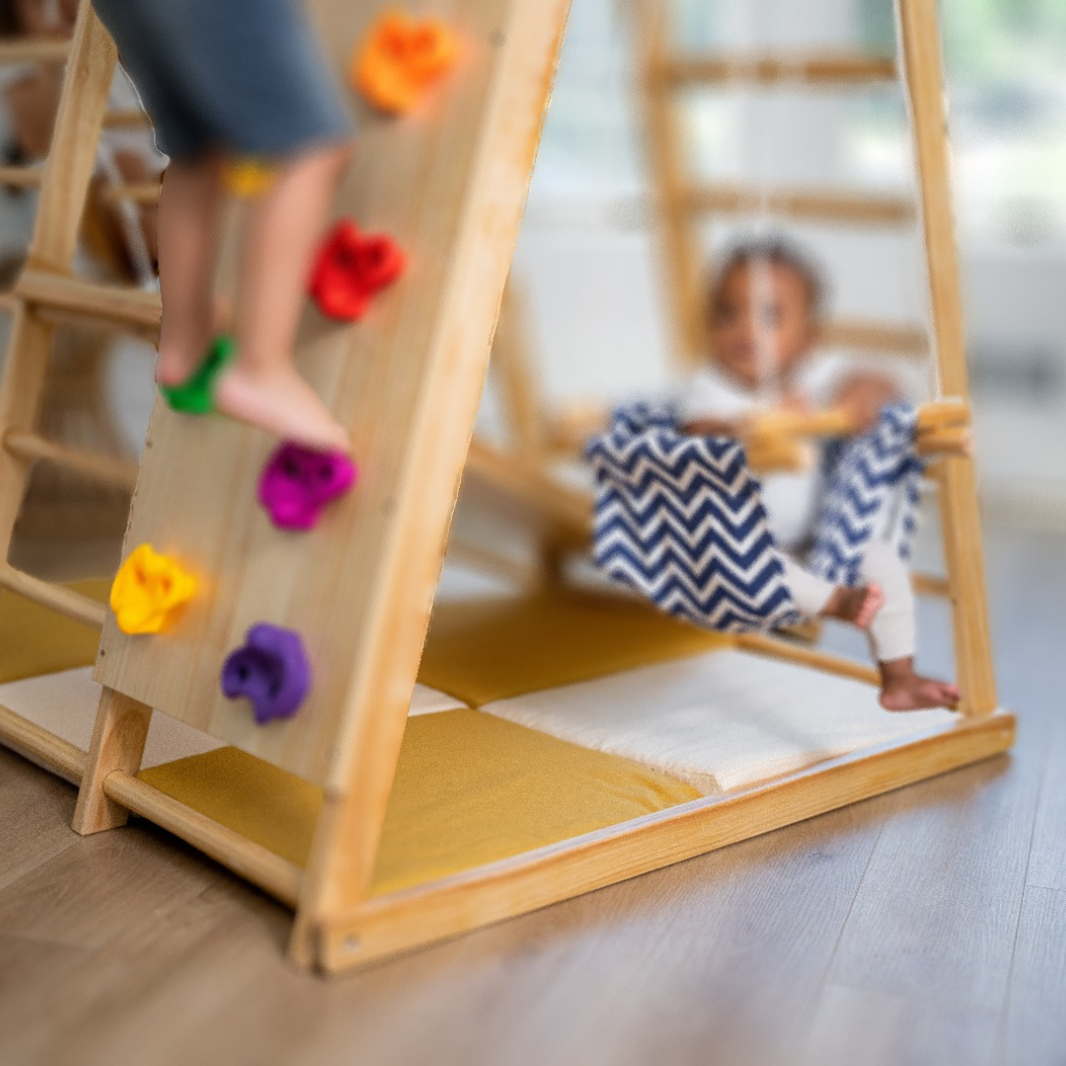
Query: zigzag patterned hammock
column 680, row 519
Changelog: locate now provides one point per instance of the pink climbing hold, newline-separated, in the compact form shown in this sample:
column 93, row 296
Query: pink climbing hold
column 298, row 482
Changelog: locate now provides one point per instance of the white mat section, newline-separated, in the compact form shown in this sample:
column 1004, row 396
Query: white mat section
column 721, row 721
column 65, row 704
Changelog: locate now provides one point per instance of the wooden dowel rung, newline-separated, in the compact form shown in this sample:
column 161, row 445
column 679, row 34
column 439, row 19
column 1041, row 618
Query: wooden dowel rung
column 126, row 117
column 529, row 493
column 64, row 601
column 275, row 875
column 139, row 192
column 33, row 50
column 30, row 446
column 876, row 337
column 21, row 177
column 772, row 70
column 951, row 440
column 931, row 585
column 33, row 742
column 801, row 203
column 773, row 648
column 61, row 294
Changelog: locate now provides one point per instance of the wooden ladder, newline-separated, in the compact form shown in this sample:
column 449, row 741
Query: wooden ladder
column 47, row 293
column 684, row 204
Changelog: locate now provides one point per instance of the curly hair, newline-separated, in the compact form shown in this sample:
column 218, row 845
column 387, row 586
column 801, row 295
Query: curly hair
column 772, row 251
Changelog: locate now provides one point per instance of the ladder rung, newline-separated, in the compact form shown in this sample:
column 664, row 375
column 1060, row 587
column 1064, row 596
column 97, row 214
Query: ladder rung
column 872, row 336
column 931, row 585
column 772, row 70
column 33, row 50
column 65, row 601
column 62, row 294
column 9, row 302
column 111, row 471
column 125, row 117
column 21, row 177
column 140, row 192
column 802, row 203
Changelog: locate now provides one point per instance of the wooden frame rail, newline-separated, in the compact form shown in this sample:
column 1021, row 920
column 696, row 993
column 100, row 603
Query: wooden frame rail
column 813, row 70
column 810, row 205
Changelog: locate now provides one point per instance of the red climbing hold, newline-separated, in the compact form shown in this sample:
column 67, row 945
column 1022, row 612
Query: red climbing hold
column 350, row 268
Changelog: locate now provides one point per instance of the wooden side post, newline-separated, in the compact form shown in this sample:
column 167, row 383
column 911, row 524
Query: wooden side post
column 339, row 872
column 118, row 744
column 64, row 190
column 684, row 267
column 921, row 48
column 515, row 378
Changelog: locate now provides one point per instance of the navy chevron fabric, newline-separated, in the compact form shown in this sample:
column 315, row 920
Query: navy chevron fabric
column 864, row 477
column 680, row 519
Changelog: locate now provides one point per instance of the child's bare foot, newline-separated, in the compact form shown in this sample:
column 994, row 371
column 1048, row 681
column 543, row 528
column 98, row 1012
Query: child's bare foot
column 174, row 366
column 859, row 606
column 904, row 690
column 282, row 403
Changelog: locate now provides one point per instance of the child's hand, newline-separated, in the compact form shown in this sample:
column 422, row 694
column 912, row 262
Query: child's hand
column 714, row 427
column 864, row 396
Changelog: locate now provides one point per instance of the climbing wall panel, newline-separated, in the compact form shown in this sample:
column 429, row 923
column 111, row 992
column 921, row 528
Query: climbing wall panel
column 447, row 182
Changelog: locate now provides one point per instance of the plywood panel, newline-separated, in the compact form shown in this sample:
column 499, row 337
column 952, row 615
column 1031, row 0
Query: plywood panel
column 447, row 182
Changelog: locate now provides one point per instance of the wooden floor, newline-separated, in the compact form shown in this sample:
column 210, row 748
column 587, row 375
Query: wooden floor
column 926, row 927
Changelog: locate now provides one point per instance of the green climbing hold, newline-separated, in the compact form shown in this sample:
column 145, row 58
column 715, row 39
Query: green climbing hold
column 196, row 396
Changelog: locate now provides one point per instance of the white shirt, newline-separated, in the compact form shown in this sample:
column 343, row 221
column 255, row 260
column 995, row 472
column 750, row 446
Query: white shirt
column 791, row 499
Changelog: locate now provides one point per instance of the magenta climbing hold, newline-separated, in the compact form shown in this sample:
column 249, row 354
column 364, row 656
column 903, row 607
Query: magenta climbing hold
column 350, row 268
column 271, row 670
column 297, row 482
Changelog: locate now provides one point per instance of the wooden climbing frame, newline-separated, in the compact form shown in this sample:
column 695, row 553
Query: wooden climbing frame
column 449, row 184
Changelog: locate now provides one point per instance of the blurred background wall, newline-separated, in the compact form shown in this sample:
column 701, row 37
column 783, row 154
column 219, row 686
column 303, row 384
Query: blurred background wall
column 589, row 261
column 588, row 258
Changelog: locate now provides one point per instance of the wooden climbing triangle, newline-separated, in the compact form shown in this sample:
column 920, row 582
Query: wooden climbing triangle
column 448, row 182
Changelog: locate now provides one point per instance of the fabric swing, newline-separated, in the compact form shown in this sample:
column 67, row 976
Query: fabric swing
column 680, row 518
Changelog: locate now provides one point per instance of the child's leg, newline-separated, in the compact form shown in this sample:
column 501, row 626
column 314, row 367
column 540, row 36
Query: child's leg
column 818, row 598
column 281, row 235
column 892, row 637
column 188, row 224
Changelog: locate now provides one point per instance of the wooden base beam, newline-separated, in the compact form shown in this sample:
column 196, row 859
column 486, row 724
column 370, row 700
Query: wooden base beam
column 118, row 744
column 273, row 874
column 391, row 924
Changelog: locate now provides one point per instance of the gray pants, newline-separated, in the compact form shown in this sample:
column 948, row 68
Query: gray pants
column 246, row 77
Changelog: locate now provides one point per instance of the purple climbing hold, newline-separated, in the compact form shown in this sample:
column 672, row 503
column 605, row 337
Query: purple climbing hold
column 271, row 670
column 297, row 482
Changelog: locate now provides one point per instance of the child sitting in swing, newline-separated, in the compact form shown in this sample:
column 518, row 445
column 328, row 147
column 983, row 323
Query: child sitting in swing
column 764, row 315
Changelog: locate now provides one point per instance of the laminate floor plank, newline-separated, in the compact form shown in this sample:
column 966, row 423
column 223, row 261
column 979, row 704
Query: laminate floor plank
column 874, row 1028
column 1034, row 1024
column 897, row 931
column 35, row 823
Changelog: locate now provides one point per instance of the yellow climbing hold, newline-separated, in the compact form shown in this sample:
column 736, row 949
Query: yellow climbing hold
column 248, row 177
column 149, row 590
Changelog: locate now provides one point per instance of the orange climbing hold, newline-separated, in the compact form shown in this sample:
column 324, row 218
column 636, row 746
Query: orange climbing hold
column 399, row 58
column 149, row 590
